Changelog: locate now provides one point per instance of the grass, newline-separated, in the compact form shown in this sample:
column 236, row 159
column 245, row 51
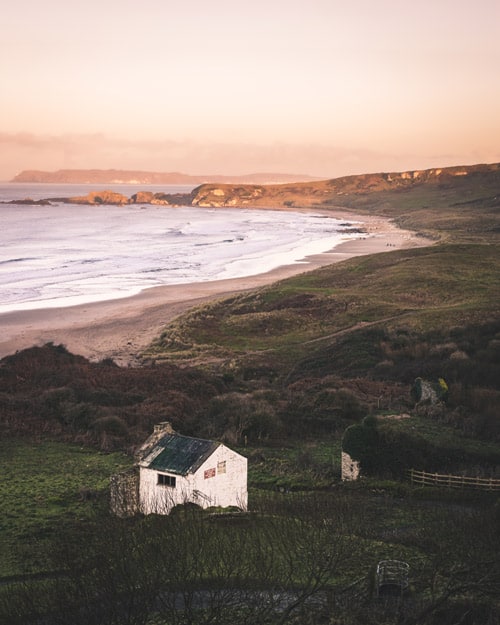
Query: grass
column 428, row 286
column 299, row 466
column 363, row 523
column 472, row 454
column 443, row 436
column 43, row 486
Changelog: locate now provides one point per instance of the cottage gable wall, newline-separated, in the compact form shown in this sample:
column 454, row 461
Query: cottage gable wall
column 222, row 479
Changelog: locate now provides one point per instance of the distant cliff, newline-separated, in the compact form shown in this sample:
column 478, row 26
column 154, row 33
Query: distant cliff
column 121, row 176
column 352, row 191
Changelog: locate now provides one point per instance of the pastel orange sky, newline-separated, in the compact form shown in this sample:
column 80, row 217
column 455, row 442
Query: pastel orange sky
column 319, row 87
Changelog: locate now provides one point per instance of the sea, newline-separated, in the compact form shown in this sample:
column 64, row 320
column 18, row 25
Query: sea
column 65, row 254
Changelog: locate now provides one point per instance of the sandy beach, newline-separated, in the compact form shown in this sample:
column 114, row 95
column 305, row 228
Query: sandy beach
column 121, row 328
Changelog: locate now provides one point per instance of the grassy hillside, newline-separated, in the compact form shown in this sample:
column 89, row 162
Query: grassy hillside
column 280, row 373
column 426, row 286
column 369, row 326
column 323, row 348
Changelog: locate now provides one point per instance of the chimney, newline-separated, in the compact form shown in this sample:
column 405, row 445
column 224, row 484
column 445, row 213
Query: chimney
column 164, row 427
column 160, row 429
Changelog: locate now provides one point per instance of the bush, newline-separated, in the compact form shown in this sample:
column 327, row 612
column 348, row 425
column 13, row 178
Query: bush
column 361, row 442
column 239, row 416
column 110, row 425
column 322, row 410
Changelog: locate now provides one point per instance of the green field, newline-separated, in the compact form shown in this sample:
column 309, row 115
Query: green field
column 301, row 544
column 44, row 487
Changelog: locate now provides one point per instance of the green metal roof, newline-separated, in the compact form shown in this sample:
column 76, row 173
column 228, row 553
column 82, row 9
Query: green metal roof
column 179, row 454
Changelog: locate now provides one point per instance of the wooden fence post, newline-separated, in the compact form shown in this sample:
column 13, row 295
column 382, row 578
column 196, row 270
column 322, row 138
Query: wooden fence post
column 424, row 478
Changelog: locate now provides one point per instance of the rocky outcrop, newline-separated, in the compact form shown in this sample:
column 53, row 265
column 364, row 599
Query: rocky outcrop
column 171, row 199
column 161, row 199
column 143, row 197
column 227, row 195
column 100, row 197
column 29, row 202
column 97, row 198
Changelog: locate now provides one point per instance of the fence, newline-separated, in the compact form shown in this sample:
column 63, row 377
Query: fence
column 423, row 478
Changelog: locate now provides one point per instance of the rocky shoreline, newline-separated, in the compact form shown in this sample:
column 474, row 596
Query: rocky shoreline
column 112, row 198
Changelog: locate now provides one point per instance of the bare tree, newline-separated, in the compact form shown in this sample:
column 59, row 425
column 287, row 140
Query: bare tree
column 195, row 567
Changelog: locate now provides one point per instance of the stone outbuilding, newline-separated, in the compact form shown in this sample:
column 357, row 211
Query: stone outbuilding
column 350, row 468
column 172, row 469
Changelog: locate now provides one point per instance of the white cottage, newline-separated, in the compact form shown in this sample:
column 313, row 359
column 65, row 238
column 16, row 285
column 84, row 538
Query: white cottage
column 173, row 469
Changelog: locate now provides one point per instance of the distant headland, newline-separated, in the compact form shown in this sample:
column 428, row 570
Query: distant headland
column 123, row 176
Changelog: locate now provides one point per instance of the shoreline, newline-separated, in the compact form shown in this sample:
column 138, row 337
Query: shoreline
column 121, row 328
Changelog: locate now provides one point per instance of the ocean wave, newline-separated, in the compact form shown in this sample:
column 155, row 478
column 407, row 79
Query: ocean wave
column 17, row 260
column 92, row 255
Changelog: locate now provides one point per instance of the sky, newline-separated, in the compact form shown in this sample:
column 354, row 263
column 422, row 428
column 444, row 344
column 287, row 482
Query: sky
column 319, row 87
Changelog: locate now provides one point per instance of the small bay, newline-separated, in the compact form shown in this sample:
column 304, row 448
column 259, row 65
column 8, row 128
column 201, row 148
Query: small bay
column 65, row 254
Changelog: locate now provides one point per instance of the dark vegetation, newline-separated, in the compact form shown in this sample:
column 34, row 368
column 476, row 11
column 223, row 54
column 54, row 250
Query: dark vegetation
column 304, row 558
column 46, row 391
column 283, row 374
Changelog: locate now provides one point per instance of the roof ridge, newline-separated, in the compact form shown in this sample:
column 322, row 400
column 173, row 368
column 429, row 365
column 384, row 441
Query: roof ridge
column 195, row 438
column 179, row 454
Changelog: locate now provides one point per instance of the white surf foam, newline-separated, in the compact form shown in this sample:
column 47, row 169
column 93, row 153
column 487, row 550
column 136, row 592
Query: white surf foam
column 53, row 256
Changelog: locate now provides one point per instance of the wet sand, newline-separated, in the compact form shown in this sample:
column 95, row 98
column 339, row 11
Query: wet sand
column 121, row 328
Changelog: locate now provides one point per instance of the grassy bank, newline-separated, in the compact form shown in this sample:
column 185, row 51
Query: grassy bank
column 431, row 290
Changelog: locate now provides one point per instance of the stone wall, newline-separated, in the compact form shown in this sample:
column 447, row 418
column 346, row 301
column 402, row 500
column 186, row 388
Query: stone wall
column 124, row 493
column 350, row 468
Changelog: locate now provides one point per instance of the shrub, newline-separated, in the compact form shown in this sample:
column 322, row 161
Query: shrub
column 79, row 416
column 320, row 410
column 361, row 442
column 236, row 416
column 110, row 425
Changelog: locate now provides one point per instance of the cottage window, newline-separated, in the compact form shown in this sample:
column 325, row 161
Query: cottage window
column 166, row 480
column 221, row 466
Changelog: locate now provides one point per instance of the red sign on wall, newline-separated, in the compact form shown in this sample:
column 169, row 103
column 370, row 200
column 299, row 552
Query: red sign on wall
column 209, row 473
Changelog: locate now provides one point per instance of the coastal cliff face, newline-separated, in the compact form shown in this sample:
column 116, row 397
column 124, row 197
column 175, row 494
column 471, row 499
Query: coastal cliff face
column 333, row 192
